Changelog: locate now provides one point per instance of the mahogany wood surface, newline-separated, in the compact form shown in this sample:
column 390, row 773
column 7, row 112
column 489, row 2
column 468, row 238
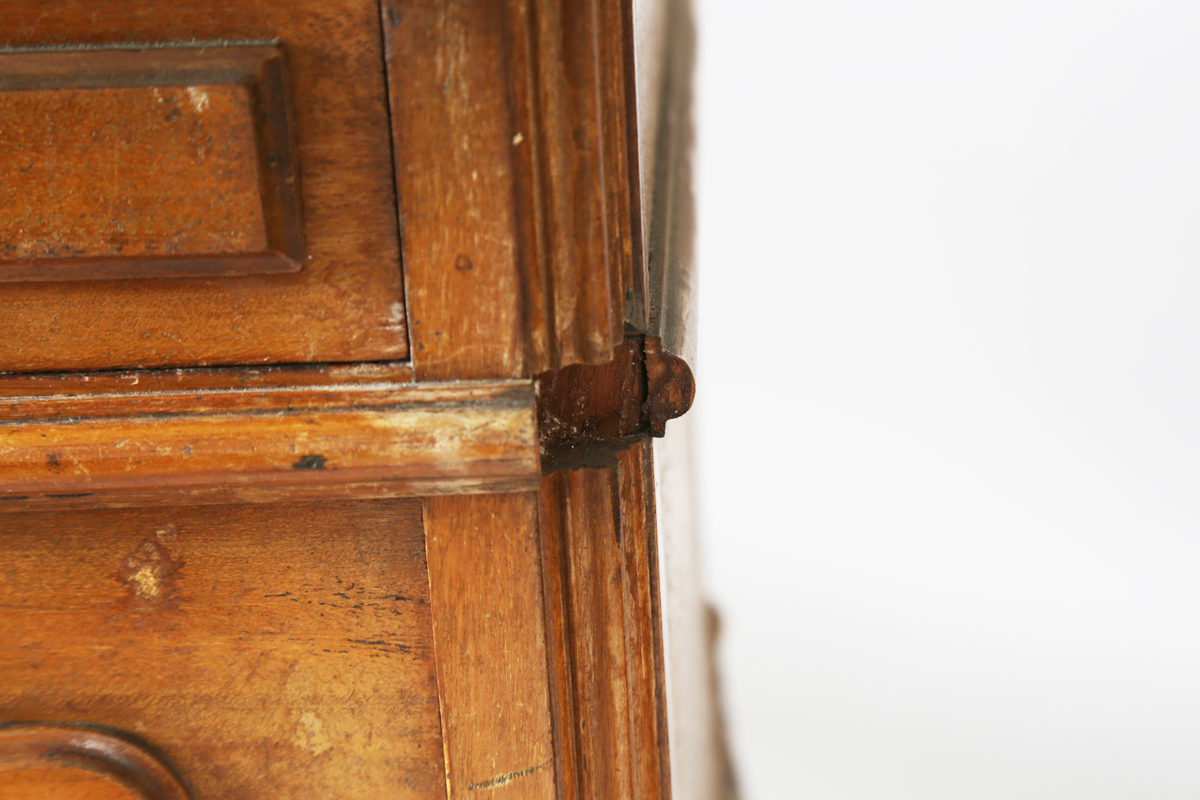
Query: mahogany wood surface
column 346, row 302
column 488, row 626
column 65, row 762
column 266, row 651
column 149, row 163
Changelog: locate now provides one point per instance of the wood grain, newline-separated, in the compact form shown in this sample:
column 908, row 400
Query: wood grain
column 651, row 768
column 147, row 163
column 346, row 304
column 582, row 403
column 61, row 784
column 513, row 146
column 294, row 376
column 265, row 651
column 588, row 411
column 60, row 762
column 599, row 553
column 241, row 443
column 489, row 634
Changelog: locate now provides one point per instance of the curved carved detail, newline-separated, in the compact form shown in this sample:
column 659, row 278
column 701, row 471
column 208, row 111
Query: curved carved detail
column 110, row 754
column 670, row 386
column 586, row 411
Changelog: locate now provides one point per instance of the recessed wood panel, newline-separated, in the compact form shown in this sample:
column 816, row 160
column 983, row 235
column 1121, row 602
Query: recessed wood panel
column 345, row 304
column 146, row 163
column 266, row 651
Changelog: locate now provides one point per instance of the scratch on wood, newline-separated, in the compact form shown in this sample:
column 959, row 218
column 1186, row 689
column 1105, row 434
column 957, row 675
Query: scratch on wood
column 500, row 780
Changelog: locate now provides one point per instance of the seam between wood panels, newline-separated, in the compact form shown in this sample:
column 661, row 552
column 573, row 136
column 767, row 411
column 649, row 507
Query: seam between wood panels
column 434, row 646
column 385, row 12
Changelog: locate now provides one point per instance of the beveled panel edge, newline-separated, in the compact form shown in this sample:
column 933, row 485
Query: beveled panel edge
column 261, row 67
column 111, row 754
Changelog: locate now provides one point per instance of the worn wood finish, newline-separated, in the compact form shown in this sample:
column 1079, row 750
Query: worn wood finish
column 236, row 445
column 488, row 625
column 643, row 621
column 293, row 376
column 60, row 762
column 601, row 591
column 505, row 115
column 618, row 45
column 345, row 304
column 587, row 191
column 266, row 651
column 94, row 139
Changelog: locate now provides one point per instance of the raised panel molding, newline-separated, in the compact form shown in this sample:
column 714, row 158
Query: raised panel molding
column 151, row 163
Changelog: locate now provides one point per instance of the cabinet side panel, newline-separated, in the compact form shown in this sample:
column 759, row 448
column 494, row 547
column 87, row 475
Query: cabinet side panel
column 489, row 632
column 700, row 768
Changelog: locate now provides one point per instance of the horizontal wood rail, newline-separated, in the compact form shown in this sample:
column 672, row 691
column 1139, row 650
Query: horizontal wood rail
column 266, row 443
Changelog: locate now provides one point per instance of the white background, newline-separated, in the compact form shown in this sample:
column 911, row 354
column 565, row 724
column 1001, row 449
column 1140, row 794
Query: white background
column 949, row 395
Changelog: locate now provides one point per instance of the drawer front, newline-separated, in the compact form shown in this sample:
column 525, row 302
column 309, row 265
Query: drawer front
column 263, row 650
column 195, row 186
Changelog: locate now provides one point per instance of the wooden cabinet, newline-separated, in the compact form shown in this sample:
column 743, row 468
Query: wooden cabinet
column 333, row 336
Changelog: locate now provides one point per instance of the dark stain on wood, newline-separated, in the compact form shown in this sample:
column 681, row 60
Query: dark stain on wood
column 310, row 462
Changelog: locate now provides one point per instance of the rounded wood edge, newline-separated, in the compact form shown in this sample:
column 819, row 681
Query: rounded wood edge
column 112, row 754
